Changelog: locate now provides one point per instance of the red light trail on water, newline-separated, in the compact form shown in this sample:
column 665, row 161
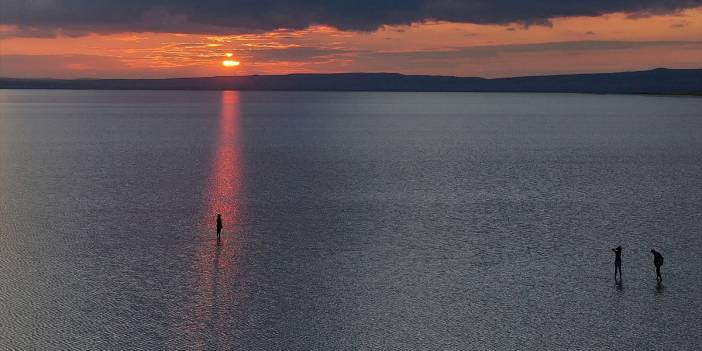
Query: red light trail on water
column 215, row 265
column 226, row 180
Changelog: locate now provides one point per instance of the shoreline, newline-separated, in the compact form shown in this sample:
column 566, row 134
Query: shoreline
column 679, row 82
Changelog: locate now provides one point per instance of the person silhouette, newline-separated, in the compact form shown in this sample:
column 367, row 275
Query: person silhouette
column 617, row 262
column 219, row 225
column 658, row 262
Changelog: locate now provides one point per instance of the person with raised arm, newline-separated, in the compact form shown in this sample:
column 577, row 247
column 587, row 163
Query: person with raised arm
column 617, row 262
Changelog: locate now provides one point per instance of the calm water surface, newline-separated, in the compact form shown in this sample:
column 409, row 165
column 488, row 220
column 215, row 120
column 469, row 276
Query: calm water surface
column 409, row 221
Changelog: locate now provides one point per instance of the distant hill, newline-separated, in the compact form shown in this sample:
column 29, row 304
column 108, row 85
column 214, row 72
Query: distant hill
column 657, row 81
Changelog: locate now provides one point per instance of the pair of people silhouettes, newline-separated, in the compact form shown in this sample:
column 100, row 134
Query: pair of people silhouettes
column 657, row 261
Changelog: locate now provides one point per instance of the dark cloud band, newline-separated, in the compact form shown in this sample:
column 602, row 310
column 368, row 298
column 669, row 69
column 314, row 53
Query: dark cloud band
column 75, row 17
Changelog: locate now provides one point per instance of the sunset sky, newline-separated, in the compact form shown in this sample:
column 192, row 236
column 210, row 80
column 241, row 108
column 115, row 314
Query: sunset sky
column 155, row 39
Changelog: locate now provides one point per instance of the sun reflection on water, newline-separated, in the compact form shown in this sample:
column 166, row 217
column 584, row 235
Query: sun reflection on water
column 215, row 265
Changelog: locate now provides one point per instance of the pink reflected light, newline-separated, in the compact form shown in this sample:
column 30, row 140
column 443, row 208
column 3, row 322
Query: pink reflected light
column 226, row 179
column 215, row 265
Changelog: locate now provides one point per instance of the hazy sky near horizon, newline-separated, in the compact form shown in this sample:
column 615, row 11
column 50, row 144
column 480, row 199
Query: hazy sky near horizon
column 499, row 38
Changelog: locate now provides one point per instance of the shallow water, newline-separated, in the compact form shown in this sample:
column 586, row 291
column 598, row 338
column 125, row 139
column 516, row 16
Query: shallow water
column 352, row 220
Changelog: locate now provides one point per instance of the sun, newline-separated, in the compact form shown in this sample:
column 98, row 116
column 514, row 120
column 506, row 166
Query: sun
column 229, row 62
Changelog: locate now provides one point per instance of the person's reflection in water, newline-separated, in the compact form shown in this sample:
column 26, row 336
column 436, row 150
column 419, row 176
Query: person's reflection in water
column 658, row 262
column 212, row 318
column 214, row 323
column 617, row 262
column 219, row 226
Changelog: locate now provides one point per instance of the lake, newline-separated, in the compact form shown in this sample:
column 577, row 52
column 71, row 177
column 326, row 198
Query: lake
column 408, row 221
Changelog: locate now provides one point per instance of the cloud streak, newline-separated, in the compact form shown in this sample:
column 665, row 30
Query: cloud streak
column 76, row 17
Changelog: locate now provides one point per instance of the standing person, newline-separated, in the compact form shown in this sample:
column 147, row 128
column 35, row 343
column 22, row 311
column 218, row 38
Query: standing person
column 219, row 225
column 617, row 262
column 658, row 262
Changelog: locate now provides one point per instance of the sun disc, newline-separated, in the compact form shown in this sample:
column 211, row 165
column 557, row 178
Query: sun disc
column 230, row 63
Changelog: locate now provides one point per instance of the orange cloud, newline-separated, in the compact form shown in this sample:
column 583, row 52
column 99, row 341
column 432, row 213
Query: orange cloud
column 325, row 49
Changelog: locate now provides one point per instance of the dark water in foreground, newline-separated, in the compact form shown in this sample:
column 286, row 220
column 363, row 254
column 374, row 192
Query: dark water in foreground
column 352, row 221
